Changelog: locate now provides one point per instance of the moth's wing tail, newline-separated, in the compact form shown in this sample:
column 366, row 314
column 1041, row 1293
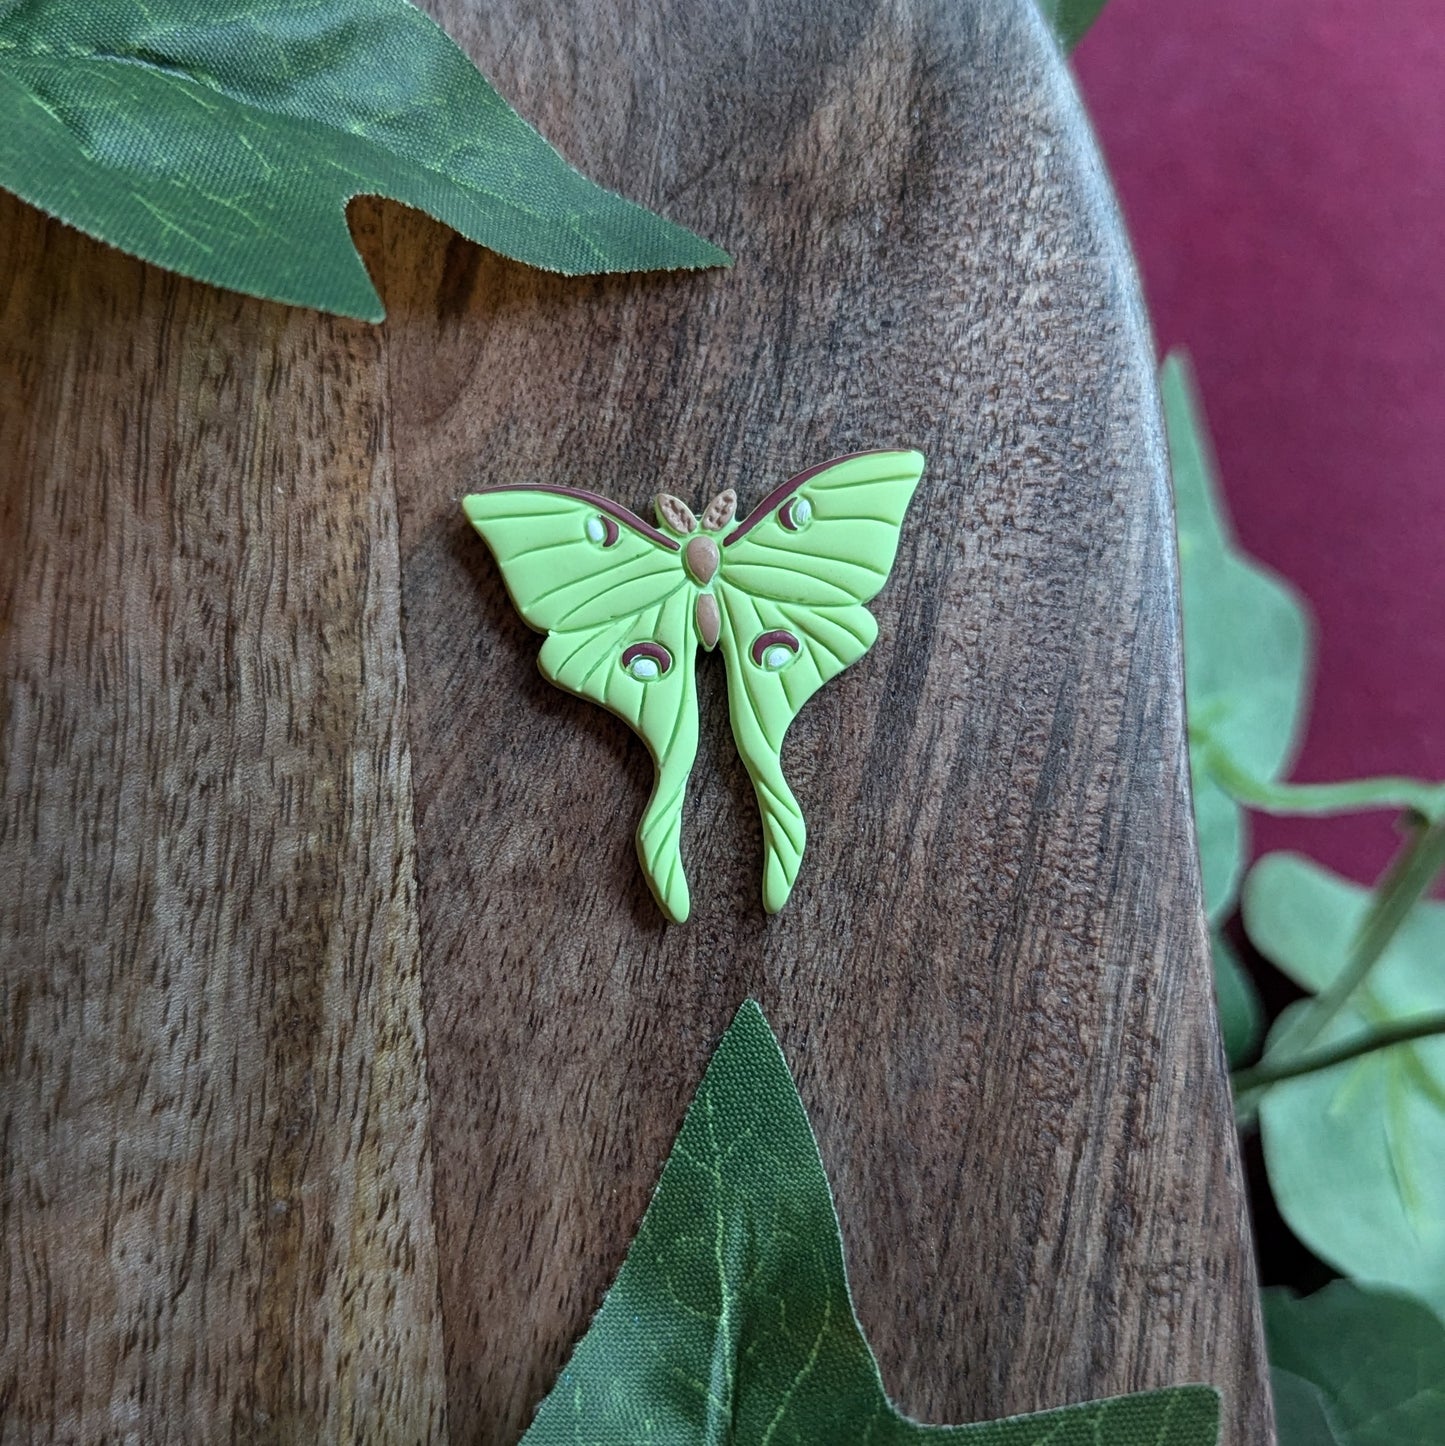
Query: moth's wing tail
column 785, row 834
column 662, row 710
column 817, row 643
column 659, row 833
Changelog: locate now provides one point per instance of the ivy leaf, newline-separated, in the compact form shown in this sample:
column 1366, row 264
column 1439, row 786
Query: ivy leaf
column 224, row 140
column 1241, row 1014
column 731, row 1318
column 1246, row 646
column 1376, row 1360
column 1070, row 19
column 1354, row 1152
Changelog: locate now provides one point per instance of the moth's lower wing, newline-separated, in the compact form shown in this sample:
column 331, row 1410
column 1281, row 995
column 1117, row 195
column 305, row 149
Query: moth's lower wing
column 767, row 691
column 826, row 537
column 571, row 559
column 662, row 710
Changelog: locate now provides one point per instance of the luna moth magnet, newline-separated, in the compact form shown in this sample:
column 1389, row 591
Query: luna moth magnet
column 625, row 605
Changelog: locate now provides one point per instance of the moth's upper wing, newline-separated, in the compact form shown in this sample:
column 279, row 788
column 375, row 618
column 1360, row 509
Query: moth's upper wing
column 844, row 550
column 571, row 559
column 811, row 578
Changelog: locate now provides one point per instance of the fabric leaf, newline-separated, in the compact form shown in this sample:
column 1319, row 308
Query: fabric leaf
column 731, row 1319
column 1301, row 1413
column 1354, row 1152
column 1247, row 658
column 1241, row 1013
column 223, row 141
column 1070, row 19
column 1376, row 1360
column 1246, row 647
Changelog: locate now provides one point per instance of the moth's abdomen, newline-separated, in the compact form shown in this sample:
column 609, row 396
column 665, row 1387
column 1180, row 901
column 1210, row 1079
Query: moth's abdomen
column 708, row 618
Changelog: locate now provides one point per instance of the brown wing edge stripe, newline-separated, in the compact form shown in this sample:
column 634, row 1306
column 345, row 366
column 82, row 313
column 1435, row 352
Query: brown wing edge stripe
column 781, row 493
column 602, row 504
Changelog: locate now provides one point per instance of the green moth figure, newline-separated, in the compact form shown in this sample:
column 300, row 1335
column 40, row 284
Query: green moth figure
column 625, row 605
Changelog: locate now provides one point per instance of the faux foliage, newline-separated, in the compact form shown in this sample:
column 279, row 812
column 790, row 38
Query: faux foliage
column 1248, row 655
column 1363, row 1368
column 1350, row 1092
column 224, row 141
column 1247, row 662
column 1301, row 1415
column 1070, row 19
column 1356, row 1153
column 1241, row 1015
column 731, row 1319
column 1246, row 649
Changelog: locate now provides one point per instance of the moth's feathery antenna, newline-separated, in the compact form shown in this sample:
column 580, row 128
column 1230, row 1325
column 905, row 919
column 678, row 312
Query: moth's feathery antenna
column 673, row 512
column 721, row 511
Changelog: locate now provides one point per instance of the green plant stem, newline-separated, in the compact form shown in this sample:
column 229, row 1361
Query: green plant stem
column 1355, row 796
column 1402, row 1032
column 1414, row 869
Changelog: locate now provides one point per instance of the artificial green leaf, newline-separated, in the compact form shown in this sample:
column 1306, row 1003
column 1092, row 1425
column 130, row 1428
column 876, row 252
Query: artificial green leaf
column 731, row 1319
column 1354, row 1152
column 1241, row 1015
column 1246, row 646
column 223, row 141
column 1070, row 19
column 1378, row 1361
column 1301, row 1414
column 1247, row 655
column 1319, row 800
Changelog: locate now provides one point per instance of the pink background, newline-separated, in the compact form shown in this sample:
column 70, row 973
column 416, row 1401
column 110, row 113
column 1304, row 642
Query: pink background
column 1281, row 165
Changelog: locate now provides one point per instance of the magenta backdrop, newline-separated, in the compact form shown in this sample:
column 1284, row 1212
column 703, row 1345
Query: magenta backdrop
column 1281, row 165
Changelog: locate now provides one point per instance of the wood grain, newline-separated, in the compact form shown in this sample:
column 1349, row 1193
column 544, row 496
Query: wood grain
column 992, row 978
column 217, row 1180
column 292, row 1152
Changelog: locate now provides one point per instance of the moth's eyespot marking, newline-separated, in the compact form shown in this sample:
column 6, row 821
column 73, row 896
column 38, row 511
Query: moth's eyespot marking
column 646, row 661
column 775, row 650
column 602, row 529
column 795, row 514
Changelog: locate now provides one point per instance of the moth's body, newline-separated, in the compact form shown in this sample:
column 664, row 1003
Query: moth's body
column 701, row 554
column 625, row 606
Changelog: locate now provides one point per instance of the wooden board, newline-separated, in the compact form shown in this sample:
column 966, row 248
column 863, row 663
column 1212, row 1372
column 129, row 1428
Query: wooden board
column 217, row 1183
column 295, row 1152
